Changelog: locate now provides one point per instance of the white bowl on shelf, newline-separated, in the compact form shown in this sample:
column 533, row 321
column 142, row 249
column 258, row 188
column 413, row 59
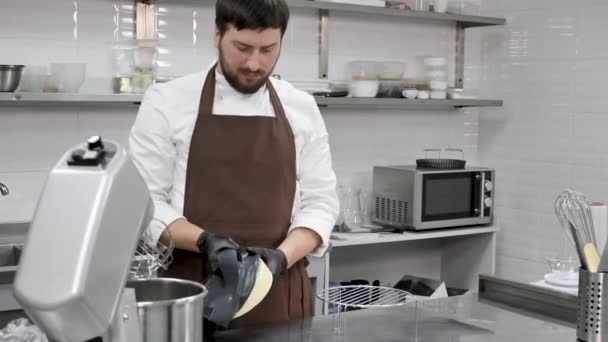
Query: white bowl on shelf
column 410, row 93
column 363, row 88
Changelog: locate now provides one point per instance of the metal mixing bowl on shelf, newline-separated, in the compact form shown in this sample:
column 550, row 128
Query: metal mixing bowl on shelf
column 10, row 76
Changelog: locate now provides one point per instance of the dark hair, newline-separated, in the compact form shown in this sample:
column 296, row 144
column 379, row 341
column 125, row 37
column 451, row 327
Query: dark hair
column 251, row 14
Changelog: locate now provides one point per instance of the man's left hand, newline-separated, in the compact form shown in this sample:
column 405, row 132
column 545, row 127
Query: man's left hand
column 275, row 259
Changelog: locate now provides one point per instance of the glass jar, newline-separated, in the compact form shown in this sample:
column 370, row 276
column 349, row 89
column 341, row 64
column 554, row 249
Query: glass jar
column 353, row 218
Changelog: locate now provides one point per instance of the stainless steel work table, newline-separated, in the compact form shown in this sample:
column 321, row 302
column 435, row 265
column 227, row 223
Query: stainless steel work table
column 456, row 319
column 462, row 319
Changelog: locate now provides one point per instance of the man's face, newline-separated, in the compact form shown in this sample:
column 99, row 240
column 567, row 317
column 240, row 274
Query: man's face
column 247, row 57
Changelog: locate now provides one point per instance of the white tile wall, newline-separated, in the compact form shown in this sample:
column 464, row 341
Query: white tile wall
column 32, row 138
column 548, row 64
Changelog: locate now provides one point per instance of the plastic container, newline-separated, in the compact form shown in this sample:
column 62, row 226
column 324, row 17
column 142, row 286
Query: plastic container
column 145, row 55
column 469, row 7
column 66, row 77
column 391, row 70
column 462, row 94
column 435, row 62
column 438, row 94
column 390, row 89
column 400, row 4
column 364, row 88
column 33, row 78
column 438, row 85
column 121, row 59
column 424, row 94
column 440, row 6
column 363, row 70
column 440, row 74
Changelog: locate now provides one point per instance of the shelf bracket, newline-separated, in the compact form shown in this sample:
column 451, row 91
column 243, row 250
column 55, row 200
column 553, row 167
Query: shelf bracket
column 323, row 43
column 459, row 69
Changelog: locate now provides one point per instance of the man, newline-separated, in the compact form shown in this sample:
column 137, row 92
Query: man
column 232, row 152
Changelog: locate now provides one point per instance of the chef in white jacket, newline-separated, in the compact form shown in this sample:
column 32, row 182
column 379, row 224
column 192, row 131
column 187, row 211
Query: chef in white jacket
column 233, row 152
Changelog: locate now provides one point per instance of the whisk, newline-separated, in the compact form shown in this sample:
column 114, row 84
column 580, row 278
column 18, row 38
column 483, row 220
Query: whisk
column 149, row 257
column 573, row 211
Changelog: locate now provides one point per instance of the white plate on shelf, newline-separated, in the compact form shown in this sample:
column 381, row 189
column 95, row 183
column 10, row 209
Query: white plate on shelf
column 562, row 279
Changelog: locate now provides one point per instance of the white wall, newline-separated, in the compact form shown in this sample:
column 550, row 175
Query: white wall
column 550, row 65
column 36, row 32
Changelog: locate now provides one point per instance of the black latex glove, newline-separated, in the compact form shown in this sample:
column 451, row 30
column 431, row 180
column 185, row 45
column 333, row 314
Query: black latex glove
column 212, row 244
column 275, row 259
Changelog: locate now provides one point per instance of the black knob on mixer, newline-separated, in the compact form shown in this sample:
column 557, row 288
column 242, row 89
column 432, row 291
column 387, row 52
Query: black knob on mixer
column 95, row 143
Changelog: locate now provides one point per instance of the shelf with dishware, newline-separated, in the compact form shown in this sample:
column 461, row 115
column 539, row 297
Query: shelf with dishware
column 402, row 103
column 323, row 102
column 427, row 13
column 462, row 19
column 108, row 98
column 407, row 14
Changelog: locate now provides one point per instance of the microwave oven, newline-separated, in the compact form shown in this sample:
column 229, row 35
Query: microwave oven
column 407, row 197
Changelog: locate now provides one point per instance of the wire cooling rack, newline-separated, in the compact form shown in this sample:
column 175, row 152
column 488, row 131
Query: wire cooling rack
column 364, row 296
column 345, row 298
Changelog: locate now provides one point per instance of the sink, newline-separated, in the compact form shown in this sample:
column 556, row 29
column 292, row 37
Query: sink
column 9, row 260
column 12, row 237
column 14, row 229
column 10, row 255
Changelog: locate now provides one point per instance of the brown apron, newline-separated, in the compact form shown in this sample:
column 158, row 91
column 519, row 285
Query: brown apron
column 240, row 183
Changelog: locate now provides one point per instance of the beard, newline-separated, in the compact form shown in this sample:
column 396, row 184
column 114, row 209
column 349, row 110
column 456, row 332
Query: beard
column 236, row 79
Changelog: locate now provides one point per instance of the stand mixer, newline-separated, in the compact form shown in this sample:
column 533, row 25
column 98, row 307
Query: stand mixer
column 89, row 220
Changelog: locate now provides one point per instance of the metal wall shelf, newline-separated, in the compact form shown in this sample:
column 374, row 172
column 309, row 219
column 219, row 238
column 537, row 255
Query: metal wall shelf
column 406, row 104
column 323, row 102
column 16, row 98
column 465, row 20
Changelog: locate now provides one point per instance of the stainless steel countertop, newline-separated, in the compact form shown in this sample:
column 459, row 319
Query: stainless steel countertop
column 463, row 319
column 457, row 319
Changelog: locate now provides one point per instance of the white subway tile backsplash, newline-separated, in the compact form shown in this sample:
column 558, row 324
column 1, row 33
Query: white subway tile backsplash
column 548, row 63
column 590, row 97
column 24, row 188
column 34, row 139
column 592, row 27
column 37, row 19
column 110, row 125
column 521, row 269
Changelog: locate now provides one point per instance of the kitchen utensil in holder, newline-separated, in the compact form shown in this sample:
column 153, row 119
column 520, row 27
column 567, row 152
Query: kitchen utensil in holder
column 592, row 306
column 347, row 297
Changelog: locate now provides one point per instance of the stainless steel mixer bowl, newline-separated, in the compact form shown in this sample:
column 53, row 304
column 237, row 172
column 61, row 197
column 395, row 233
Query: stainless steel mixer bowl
column 10, row 76
column 170, row 310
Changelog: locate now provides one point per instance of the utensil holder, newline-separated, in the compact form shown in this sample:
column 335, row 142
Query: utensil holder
column 592, row 307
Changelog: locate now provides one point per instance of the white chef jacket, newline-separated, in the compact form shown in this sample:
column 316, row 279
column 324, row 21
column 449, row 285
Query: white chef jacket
column 160, row 141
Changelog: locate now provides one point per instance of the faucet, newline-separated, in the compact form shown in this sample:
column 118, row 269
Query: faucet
column 3, row 190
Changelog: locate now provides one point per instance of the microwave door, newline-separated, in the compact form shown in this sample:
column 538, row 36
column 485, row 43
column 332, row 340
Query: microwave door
column 451, row 196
